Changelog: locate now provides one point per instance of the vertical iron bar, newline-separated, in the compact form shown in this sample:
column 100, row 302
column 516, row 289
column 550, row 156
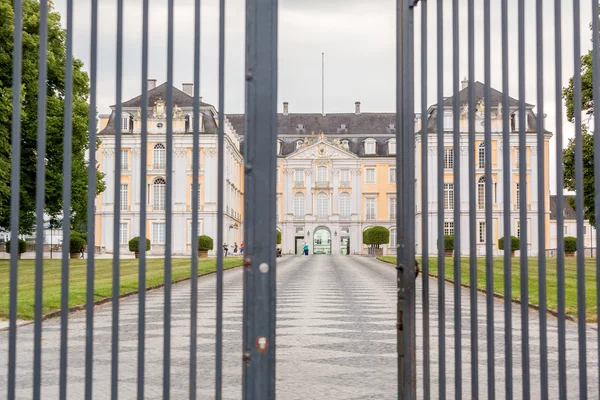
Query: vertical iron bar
column 524, row 275
column 560, row 201
column 40, row 197
column 489, row 237
column 168, row 209
column 195, row 205
column 440, row 199
column 457, row 189
column 507, row 203
column 15, row 186
column 596, row 94
column 91, row 207
column 541, row 200
column 143, row 208
column 581, row 316
column 220, row 201
column 116, row 270
column 424, row 204
column 259, row 200
column 67, row 157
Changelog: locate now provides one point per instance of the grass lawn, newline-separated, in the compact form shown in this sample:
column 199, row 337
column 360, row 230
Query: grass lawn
column 77, row 280
column 551, row 284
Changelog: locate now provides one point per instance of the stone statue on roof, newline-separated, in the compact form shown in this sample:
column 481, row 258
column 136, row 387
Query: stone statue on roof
column 464, row 112
column 177, row 113
column 138, row 114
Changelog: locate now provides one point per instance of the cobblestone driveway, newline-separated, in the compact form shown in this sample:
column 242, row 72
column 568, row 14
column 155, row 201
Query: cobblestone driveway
column 335, row 339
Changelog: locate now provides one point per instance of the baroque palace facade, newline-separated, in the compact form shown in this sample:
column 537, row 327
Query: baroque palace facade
column 130, row 171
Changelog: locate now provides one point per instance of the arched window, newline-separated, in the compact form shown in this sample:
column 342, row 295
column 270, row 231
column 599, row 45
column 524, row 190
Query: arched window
column 299, row 206
column 345, row 205
column 321, row 174
column 481, row 193
column 298, row 144
column 322, row 205
column 481, row 154
column 160, row 156
column 159, row 194
column 393, row 238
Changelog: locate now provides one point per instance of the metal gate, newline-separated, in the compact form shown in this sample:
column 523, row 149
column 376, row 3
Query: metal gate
column 421, row 223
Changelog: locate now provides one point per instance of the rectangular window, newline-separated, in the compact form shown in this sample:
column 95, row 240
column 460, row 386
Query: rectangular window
column 448, row 196
column 566, row 230
column 124, row 123
column 299, row 206
column 518, row 194
column 299, row 177
column 123, row 233
column 481, row 232
column 192, row 194
column 370, row 209
column 344, row 206
column 321, row 174
column 345, row 177
column 277, row 175
column 517, row 157
column 519, row 229
column 448, row 228
column 124, row 197
column 370, row 178
column 392, row 175
column 448, row 120
column 392, row 146
column 448, row 158
column 392, row 208
column 370, row 148
column 124, row 159
column 585, row 229
column 158, row 233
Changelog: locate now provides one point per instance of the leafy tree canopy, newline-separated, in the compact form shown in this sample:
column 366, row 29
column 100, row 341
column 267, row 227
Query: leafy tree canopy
column 54, row 120
column 588, row 174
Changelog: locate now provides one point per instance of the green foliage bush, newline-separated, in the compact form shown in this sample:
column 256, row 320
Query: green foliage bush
column 76, row 243
column 134, row 244
column 22, row 246
column 278, row 237
column 448, row 243
column 378, row 235
column 515, row 243
column 366, row 238
column 570, row 244
column 205, row 243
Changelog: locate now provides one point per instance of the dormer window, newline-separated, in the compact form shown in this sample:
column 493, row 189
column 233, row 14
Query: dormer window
column 370, row 146
column 124, row 122
column 392, row 146
column 343, row 128
column 279, row 147
column 346, row 144
column 299, row 144
column 300, row 128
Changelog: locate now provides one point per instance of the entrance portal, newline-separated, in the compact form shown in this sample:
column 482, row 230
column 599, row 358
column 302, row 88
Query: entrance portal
column 345, row 245
column 322, row 241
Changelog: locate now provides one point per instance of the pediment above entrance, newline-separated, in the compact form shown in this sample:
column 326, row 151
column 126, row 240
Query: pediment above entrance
column 322, row 149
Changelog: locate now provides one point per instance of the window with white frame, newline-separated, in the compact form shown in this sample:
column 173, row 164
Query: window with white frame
column 447, row 120
column 299, row 177
column 518, row 196
column 277, row 176
column 277, row 209
column 345, row 177
column 322, row 205
column 279, row 147
column 448, row 196
column 299, row 144
column 370, row 209
column 321, row 174
column 124, row 196
column 370, row 146
column 124, row 123
column 160, row 156
column 481, row 156
column 449, row 158
column 566, row 229
column 299, row 206
column 370, row 175
column 481, row 232
column 345, row 205
column 192, row 194
column 190, row 231
column 124, row 159
column 517, row 163
column 519, row 229
column 392, row 175
column 481, row 193
column 393, row 238
column 392, row 208
column 158, row 233
column 392, row 146
column 123, row 233
column 159, row 194
column 448, row 228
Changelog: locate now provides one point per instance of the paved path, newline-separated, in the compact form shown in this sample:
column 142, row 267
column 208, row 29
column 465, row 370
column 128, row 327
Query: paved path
column 335, row 339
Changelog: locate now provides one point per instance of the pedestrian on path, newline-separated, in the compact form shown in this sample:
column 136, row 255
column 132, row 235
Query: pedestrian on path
column 305, row 249
column 242, row 249
column 235, row 248
column 225, row 249
column 82, row 252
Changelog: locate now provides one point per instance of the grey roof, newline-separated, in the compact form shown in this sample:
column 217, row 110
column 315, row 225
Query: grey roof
column 478, row 90
column 569, row 212
column 160, row 92
column 346, row 126
column 208, row 122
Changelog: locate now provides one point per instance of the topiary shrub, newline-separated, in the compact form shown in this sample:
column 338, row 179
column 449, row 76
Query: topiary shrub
column 515, row 243
column 366, row 238
column 278, row 237
column 570, row 244
column 134, row 244
column 205, row 243
column 378, row 235
column 22, row 246
column 449, row 243
column 76, row 243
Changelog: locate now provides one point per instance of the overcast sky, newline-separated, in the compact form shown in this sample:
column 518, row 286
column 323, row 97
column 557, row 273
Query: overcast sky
column 357, row 37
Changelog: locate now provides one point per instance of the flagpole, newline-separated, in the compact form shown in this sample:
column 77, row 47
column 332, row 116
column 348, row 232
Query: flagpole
column 323, row 83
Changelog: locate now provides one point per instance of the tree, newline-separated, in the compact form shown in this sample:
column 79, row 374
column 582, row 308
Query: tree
column 378, row 235
column 587, row 140
column 55, row 99
column 278, row 237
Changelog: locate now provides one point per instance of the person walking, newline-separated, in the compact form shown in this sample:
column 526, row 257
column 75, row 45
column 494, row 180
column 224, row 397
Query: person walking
column 305, row 249
column 235, row 248
column 82, row 252
column 225, row 249
column 242, row 249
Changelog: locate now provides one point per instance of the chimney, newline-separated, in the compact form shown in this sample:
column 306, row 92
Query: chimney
column 464, row 83
column 151, row 84
column 357, row 108
column 188, row 88
column 285, row 108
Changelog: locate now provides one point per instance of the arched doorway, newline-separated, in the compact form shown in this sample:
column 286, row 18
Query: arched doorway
column 322, row 241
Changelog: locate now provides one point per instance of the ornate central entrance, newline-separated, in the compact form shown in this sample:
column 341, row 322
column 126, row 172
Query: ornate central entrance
column 322, row 241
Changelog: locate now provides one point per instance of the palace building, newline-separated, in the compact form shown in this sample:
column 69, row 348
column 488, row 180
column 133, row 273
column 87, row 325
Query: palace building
column 156, row 176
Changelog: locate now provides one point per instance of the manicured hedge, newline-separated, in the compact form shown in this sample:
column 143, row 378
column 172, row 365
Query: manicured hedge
column 570, row 244
column 134, row 244
column 205, row 243
column 22, row 246
column 515, row 243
